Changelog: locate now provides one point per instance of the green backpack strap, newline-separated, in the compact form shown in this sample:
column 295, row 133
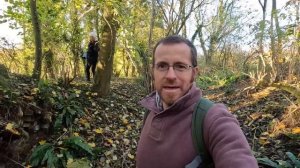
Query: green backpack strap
column 199, row 113
column 145, row 116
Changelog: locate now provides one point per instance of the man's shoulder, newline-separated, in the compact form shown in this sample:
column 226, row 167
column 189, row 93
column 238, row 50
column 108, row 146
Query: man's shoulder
column 218, row 110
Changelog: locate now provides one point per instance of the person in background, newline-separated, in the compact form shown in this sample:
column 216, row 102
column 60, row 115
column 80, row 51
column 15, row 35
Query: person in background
column 92, row 56
column 166, row 137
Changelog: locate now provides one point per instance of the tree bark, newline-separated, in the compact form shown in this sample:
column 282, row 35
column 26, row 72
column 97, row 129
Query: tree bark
column 277, row 49
column 298, row 26
column 273, row 49
column 104, row 69
column 37, row 40
column 262, row 65
column 145, row 57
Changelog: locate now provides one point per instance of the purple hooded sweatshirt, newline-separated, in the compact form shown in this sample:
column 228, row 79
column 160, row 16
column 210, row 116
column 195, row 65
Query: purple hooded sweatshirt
column 166, row 138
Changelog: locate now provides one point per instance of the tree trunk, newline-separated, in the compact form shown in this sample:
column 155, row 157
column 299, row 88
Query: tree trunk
column 104, row 69
column 145, row 57
column 182, row 9
column 278, row 57
column 262, row 65
column 273, row 49
column 49, row 66
column 212, row 49
column 202, row 42
column 298, row 26
column 37, row 40
column 75, row 44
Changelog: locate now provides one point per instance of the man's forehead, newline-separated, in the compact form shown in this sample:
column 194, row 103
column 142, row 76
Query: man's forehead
column 171, row 49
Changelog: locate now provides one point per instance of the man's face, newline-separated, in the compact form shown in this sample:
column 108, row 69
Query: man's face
column 171, row 84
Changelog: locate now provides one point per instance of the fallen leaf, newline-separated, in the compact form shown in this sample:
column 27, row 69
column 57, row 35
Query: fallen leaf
column 296, row 130
column 130, row 156
column 10, row 128
column 92, row 144
column 126, row 141
column 42, row 142
column 110, row 141
column 125, row 121
column 255, row 116
column 70, row 160
column 98, row 130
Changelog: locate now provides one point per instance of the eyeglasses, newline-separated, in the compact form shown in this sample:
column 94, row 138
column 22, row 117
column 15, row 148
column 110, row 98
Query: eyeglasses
column 178, row 67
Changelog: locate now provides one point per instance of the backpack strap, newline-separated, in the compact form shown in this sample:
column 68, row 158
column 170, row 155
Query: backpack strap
column 198, row 117
column 145, row 116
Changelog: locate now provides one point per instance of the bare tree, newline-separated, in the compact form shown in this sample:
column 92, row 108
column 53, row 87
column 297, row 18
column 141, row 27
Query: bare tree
column 175, row 15
column 216, row 28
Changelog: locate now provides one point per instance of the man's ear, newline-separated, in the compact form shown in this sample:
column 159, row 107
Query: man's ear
column 195, row 74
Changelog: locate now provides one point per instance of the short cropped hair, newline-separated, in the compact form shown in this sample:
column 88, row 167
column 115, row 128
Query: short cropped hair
column 175, row 39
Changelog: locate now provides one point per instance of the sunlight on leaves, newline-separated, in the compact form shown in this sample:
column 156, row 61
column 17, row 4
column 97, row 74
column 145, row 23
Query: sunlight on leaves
column 11, row 128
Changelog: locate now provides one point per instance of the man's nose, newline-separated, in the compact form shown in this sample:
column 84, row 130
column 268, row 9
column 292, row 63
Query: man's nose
column 170, row 74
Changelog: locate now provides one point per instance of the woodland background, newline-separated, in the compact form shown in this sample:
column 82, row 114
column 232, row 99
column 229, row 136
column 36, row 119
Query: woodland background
column 50, row 116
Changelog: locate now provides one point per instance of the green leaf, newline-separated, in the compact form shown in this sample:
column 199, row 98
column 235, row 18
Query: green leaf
column 68, row 119
column 267, row 161
column 47, row 155
column 67, row 155
column 52, row 160
column 78, row 144
column 293, row 159
column 284, row 164
column 39, row 153
column 58, row 121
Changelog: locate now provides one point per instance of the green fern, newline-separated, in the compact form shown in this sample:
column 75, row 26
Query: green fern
column 54, row 155
column 293, row 158
column 267, row 162
column 77, row 143
column 51, row 159
column 39, row 154
column 68, row 108
column 281, row 163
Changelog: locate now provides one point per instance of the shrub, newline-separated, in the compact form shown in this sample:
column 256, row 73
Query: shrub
column 291, row 163
column 60, row 154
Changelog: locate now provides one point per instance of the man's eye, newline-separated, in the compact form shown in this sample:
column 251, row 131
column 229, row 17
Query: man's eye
column 162, row 66
column 180, row 66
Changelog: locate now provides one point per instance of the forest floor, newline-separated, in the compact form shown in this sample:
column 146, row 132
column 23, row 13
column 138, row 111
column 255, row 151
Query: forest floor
column 113, row 124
